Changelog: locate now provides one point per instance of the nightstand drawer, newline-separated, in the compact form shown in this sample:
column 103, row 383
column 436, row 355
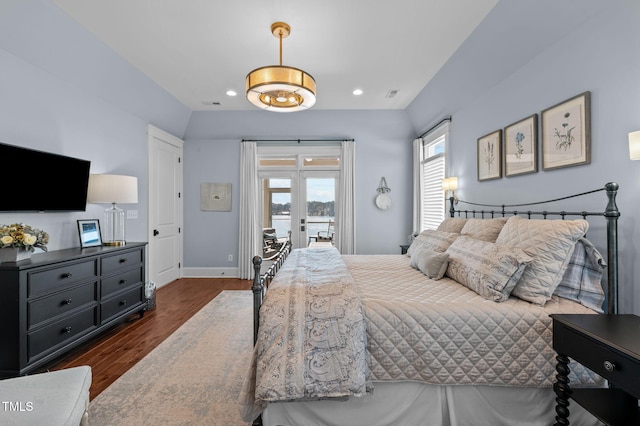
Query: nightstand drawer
column 49, row 280
column 121, row 281
column 46, row 308
column 607, row 362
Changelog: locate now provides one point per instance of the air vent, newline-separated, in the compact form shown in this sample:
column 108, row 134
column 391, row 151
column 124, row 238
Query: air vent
column 211, row 103
column 391, row 93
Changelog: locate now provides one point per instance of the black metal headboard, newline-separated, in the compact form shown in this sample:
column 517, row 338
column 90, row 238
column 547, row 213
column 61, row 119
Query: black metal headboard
column 610, row 213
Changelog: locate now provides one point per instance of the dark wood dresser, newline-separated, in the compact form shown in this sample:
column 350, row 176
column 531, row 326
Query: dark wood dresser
column 55, row 301
column 608, row 345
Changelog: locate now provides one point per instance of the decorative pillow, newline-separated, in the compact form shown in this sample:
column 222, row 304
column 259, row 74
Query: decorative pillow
column 489, row 269
column 452, row 224
column 550, row 243
column 431, row 263
column 484, row 229
column 582, row 281
column 434, row 240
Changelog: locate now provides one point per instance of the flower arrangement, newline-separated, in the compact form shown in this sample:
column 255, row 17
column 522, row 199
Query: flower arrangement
column 19, row 235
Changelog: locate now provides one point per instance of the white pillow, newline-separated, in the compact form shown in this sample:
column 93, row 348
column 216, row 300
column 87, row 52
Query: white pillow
column 452, row 224
column 489, row 269
column 431, row 263
column 550, row 243
column 433, row 240
column 484, row 229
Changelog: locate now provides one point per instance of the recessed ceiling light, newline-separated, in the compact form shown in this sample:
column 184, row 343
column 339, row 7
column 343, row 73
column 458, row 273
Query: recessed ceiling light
column 358, row 92
column 231, row 93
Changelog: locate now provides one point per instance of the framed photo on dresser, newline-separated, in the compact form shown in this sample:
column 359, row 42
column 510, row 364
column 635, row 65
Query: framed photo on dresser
column 89, row 233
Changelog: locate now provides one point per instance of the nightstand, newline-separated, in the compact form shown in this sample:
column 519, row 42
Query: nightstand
column 609, row 345
column 404, row 248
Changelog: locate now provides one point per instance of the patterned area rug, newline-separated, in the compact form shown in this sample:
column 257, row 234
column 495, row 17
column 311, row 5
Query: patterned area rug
column 194, row 377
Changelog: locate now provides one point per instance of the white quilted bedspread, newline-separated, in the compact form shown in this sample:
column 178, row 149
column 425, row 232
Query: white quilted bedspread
column 440, row 332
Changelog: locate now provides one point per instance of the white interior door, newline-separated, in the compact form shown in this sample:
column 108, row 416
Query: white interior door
column 165, row 206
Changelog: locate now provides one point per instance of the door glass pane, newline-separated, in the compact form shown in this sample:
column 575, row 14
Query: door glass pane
column 320, row 209
column 277, row 210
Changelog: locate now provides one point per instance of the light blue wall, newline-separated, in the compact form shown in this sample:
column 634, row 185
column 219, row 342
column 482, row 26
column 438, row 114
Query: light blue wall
column 212, row 154
column 598, row 55
column 63, row 91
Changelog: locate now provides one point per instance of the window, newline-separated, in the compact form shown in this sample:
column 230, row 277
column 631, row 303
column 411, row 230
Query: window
column 432, row 170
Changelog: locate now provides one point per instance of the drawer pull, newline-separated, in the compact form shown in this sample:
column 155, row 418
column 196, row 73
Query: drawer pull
column 609, row 366
column 66, row 275
column 123, row 302
column 66, row 301
column 123, row 281
column 123, row 260
column 67, row 329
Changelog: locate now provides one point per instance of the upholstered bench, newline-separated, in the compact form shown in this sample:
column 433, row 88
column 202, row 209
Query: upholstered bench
column 55, row 398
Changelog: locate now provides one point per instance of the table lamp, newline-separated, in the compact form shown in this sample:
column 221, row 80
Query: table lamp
column 113, row 189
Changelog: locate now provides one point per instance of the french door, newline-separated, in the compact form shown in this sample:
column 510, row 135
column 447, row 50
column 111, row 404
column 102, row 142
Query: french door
column 302, row 202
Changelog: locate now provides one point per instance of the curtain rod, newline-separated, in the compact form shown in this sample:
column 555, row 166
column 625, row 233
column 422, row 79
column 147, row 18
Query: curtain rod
column 299, row 140
column 434, row 127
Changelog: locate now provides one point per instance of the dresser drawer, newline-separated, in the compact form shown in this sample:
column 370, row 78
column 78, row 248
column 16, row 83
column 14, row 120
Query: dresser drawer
column 65, row 330
column 119, row 261
column 122, row 281
column 46, row 308
column 45, row 281
column 121, row 303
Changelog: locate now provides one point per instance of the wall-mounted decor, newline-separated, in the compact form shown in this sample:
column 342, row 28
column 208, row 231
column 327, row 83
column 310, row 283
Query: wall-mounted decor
column 215, row 197
column 383, row 199
column 521, row 147
column 490, row 156
column 89, row 232
column 566, row 133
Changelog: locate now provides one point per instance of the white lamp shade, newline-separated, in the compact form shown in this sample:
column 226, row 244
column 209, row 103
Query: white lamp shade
column 450, row 183
column 112, row 189
column 634, row 145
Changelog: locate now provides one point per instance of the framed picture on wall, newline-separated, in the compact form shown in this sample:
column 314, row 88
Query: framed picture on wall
column 89, row 232
column 521, row 147
column 490, row 156
column 566, row 133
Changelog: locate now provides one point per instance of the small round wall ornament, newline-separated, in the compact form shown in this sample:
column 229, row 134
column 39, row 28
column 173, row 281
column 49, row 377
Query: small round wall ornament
column 383, row 199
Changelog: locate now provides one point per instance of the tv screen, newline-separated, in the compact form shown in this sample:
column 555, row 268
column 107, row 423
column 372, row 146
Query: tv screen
column 41, row 181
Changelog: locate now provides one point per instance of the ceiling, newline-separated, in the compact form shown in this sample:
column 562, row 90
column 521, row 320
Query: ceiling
column 197, row 50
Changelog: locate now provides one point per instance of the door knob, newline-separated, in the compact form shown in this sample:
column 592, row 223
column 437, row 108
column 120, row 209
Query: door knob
column 155, row 232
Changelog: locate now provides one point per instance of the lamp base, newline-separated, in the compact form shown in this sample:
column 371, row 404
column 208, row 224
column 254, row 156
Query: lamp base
column 114, row 243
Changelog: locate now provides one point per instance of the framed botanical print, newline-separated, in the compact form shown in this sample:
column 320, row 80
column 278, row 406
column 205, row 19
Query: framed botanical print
column 566, row 133
column 490, row 156
column 521, row 147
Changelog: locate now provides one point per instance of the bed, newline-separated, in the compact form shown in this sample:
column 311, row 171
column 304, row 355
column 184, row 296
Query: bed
column 456, row 332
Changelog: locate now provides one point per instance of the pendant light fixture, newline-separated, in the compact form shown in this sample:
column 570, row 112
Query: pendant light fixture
column 280, row 88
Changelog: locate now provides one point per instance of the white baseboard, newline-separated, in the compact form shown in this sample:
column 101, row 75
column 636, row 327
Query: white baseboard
column 210, row 273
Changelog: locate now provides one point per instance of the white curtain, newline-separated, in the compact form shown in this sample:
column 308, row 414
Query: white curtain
column 250, row 232
column 345, row 216
column 417, row 184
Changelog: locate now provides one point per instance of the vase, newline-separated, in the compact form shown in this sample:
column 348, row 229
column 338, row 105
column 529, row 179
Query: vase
column 14, row 254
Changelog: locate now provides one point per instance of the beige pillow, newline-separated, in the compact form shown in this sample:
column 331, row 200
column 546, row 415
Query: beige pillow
column 489, row 269
column 433, row 240
column 431, row 263
column 452, row 224
column 484, row 229
column 550, row 243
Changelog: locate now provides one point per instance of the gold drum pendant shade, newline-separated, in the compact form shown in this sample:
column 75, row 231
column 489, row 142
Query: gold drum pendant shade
column 280, row 88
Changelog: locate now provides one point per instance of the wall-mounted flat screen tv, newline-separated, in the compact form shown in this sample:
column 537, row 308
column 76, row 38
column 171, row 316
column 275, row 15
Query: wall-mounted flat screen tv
column 40, row 181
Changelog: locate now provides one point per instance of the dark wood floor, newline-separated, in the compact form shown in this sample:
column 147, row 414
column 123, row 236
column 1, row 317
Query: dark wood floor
column 113, row 353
